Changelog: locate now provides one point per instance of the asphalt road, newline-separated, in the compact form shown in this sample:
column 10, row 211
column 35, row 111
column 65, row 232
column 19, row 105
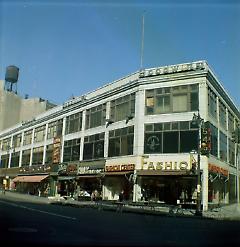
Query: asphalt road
column 31, row 224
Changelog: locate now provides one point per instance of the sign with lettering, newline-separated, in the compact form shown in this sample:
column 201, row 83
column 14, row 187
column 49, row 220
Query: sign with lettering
column 218, row 169
column 56, row 150
column 89, row 170
column 173, row 69
column 167, row 163
column 120, row 167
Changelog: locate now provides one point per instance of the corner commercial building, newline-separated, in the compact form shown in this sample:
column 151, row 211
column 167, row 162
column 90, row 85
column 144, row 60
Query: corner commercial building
column 133, row 135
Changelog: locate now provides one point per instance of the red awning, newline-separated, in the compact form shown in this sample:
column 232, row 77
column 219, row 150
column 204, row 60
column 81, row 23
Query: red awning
column 30, row 179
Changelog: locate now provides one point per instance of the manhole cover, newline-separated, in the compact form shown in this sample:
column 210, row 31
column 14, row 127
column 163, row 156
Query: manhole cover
column 22, row 229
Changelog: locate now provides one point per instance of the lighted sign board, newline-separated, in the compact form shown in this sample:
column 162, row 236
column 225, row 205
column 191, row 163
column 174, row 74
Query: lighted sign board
column 173, row 69
column 120, row 167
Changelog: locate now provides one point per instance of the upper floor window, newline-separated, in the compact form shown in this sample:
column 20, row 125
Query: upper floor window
column 214, row 140
column 17, row 140
column 37, row 157
column 171, row 137
column 223, row 147
column 71, row 150
column 93, row 147
column 230, row 122
column 96, row 116
column 15, row 159
column 123, row 107
column 121, row 141
column 6, row 144
column 26, row 154
column 39, row 134
column 27, row 138
column 73, row 123
column 4, row 161
column 212, row 103
column 172, row 99
column 55, row 129
column 49, row 154
column 222, row 115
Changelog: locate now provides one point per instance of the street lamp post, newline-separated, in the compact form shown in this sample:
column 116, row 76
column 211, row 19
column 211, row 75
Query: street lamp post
column 198, row 121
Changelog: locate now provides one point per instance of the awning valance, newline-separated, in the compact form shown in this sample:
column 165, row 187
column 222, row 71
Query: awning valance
column 60, row 178
column 30, row 179
column 117, row 173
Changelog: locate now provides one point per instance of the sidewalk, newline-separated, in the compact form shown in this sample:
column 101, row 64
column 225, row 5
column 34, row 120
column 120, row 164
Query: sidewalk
column 227, row 212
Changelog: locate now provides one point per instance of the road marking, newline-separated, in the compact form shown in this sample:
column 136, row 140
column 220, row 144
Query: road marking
column 40, row 211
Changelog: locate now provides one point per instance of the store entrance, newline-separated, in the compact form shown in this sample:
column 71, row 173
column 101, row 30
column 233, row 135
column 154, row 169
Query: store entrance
column 170, row 190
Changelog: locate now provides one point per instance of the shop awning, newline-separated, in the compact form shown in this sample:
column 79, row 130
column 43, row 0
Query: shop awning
column 161, row 173
column 60, row 178
column 30, row 179
column 117, row 173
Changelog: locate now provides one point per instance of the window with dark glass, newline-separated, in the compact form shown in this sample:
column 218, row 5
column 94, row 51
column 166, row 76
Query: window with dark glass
column 222, row 115
column 55, row 129
column 212, row 104
column 214, row 140
column 71, row 150
column 231, row 152
column 170, row 137
column 93, row 147
column 15, row 159
column 96, row 116
column 4, row 161
column 39, row 134
column 37, row 157
column 27, row 137
column 73, row 123
column 121, row 142
column 49, row 154
column 223, row 147
column 230, row 123
column 17, row 140
column 26, row 157
column 172, row 99
column 123, row 107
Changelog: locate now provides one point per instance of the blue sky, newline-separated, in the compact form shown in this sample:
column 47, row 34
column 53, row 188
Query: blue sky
column 68, row 48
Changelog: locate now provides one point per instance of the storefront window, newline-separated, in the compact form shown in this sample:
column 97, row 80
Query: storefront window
column 26, row 157
column 27, row 138
column 123, row 107
column 174, row 99
column 15, row 159
column 96, row 116
column 93, row 147
column 71, row 150
column 171, row 137
column 39, row 134
column 121, row 142
column 223, row 147
column 73, row 123
column 55, row 129
column 37, row 156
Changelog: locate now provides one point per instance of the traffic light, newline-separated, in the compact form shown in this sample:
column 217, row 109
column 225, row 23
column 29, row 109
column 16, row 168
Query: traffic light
column 205, row 140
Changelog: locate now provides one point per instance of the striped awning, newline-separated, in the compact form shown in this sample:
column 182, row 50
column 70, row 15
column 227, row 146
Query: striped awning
column 30, row 179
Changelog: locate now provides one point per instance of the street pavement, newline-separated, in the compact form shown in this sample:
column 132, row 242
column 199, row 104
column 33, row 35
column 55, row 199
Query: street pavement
column 226, row 212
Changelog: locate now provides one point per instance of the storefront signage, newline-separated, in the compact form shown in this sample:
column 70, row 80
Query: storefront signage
column 167, row 165
column 173, row 69
column 56, row 149
column 35, row 169
column 217, row 169
column 118, row 168
column 72, row 169
column 89, row 170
